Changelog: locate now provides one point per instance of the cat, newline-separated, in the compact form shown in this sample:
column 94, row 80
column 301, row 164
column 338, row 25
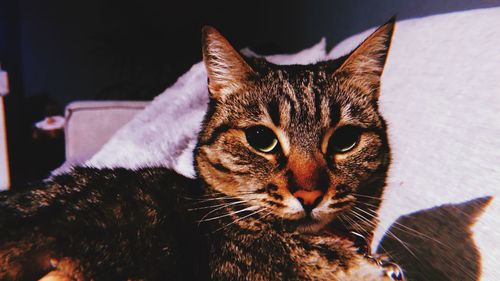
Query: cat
column 286, row 157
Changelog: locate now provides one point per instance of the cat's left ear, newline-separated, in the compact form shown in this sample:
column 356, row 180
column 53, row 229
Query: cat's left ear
column 366, row 62
column 227, row 71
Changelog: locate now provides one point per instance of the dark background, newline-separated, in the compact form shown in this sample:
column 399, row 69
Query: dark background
column 60, row 51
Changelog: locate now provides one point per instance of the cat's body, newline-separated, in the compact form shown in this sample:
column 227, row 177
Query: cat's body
column 287, row 159
column 140, row 225
column 117, row 223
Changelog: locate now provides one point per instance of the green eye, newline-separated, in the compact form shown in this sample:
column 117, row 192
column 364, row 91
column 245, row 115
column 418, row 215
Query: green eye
column 261, row 138
column 344, row 139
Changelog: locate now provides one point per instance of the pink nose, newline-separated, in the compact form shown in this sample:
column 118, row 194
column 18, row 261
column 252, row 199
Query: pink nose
column 308, row 199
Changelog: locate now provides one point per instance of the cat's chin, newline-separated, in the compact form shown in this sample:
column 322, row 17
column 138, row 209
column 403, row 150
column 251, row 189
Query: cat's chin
column 312, row 226
column 330, row 229
column 308, row 225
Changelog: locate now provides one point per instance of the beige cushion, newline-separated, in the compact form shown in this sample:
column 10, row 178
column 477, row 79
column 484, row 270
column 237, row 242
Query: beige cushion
column 90, row 124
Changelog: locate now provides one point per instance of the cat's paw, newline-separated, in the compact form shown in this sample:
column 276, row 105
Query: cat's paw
column 56, row 275
column 370, row 270
column 390, row 270
column 64, row 269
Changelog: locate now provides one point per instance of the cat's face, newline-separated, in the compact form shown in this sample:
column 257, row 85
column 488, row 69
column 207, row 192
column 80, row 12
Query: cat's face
column 301, row 143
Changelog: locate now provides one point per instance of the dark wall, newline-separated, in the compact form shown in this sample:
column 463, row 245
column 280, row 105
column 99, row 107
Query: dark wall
column 11, row 59
column 58, row 51
column 134, row 49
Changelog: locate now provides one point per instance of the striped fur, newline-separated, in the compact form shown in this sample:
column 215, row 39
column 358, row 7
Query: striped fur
column 303, row 106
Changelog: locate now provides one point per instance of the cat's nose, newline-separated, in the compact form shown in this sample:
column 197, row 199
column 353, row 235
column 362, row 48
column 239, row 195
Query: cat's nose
column 308, row 199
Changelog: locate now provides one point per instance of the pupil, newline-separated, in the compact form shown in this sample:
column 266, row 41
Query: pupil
column 345, row 138
column 261, row 138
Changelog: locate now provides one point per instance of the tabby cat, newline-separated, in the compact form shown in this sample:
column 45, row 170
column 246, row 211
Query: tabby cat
column 286, row 158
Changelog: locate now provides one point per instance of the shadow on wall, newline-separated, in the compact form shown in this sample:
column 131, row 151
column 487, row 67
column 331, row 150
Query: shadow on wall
column 437, row 244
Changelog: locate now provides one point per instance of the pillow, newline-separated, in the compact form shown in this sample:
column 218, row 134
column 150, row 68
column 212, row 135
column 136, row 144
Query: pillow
column 165, row 133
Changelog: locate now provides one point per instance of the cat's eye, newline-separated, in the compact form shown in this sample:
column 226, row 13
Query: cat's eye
column 262, row 138
column 344, row 139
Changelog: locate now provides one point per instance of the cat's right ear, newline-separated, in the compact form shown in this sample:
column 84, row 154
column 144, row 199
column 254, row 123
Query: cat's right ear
column 227, row 70
column 365, row 64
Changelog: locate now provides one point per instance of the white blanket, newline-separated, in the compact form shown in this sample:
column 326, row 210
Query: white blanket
column 441, row 99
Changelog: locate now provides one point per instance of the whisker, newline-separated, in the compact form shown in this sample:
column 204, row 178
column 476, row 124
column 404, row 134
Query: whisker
column 216, row 193
column 266, row 215
column 417, row 233
column 368, row 204
column 366, row 196
column 364, row 219
column 244, row 217
column 342, row 221
column 358, row 229
column 203, row 200
column 218, row 205
column 390, row 233
column 212, row 211
column 251, row 208
column 381, row 247
column 372, row 215
column 409, row 230
column 355, row 225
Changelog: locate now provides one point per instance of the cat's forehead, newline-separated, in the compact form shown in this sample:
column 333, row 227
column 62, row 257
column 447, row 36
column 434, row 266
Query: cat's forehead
column 296, row 73
column 301, row 99
column 312, row 93
column 300, row 81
